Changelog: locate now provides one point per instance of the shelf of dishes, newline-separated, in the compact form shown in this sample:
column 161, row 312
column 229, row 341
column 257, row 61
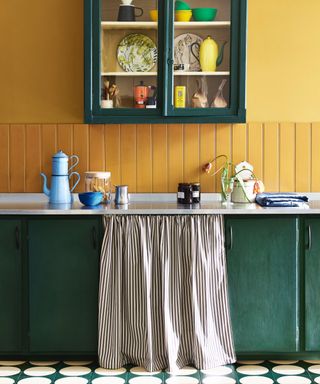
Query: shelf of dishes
column 176, row 73
column 112, row 25
column 194, row 92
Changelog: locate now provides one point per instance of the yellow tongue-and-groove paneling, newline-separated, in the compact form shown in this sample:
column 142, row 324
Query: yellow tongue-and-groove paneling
column 154, row 158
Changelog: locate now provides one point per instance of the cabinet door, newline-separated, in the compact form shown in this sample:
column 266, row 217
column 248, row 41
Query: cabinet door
column 10, row 286
column 63, row 281
column 312, row 284
column 127, row 58
column 262, row 272
column 206, row 64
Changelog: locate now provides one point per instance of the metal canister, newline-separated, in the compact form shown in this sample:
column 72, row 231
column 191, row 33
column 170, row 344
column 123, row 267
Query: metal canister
column 196, row 193
column 121, row 195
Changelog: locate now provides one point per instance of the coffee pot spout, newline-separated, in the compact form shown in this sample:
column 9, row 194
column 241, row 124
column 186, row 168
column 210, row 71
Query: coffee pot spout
column 46, row 190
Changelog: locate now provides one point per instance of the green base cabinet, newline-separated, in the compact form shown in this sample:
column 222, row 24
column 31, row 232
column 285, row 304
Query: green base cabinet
column 11, row 324
column 63, row 285
column 262, row 257
column 312, row 283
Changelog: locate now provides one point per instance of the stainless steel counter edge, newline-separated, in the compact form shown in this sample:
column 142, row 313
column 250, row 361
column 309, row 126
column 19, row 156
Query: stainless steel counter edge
column 144, row 204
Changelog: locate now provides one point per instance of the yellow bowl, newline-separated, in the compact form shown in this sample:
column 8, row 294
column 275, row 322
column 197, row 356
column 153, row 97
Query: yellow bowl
column 184, row 15
column 154, row 15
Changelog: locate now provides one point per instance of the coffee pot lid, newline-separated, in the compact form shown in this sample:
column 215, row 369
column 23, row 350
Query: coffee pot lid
column 60, row 155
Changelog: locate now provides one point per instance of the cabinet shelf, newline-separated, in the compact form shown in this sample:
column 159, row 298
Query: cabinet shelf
column 154, row 25
column 201, row 24
column 129, row 25
column 128, row 73
column 217, row 73
column 221, row 73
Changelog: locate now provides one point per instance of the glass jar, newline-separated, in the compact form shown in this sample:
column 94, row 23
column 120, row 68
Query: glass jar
column 185, row 193
column 98, row 182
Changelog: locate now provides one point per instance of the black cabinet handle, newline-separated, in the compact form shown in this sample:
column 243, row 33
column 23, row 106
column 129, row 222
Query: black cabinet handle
column 230, row 245
column 309, row 244
column 94, row 238
column 17, row 237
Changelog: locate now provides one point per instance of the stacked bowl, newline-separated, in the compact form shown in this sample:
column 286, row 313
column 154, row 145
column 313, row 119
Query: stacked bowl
column 183, row 12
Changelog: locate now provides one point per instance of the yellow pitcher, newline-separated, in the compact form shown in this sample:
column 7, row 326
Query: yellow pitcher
column 209, row 56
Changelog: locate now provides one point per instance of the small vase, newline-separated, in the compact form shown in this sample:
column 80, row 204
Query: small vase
column 227, row 184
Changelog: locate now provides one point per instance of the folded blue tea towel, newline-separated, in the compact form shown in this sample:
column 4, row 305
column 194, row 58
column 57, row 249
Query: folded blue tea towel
column 281, row 199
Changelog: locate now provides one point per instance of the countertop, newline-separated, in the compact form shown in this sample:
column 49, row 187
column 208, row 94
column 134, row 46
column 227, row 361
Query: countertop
column 144, row 204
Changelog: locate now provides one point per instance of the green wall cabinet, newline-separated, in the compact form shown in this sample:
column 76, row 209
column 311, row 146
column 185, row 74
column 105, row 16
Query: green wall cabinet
column 150, row 70
column 262, row 259
column 63, row 285
column 312, row 283
column 11, row 282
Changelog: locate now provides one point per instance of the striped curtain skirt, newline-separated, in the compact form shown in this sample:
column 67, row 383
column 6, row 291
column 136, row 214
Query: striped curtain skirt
column 163, row 300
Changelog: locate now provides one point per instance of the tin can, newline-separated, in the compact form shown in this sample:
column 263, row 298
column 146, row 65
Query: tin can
column 180, row 96
column 196, row 192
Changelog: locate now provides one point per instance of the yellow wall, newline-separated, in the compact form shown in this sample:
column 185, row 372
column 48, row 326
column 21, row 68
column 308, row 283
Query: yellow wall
column 41, row 104
column 283, row 60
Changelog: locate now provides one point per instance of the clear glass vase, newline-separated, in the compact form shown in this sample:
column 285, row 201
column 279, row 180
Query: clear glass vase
column 227, row 184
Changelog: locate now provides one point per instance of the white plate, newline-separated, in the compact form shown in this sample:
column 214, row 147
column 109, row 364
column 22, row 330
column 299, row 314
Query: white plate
column 182, row 51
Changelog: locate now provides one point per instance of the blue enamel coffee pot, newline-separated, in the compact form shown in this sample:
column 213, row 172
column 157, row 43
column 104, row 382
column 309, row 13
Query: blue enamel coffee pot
column 60, row 192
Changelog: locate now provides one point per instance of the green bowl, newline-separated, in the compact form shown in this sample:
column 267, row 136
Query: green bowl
column 181, row 6
column 204, row 14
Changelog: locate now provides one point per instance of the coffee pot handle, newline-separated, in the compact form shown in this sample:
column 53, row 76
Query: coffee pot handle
column 77, row 182
column 193, row 54
column 141, row 10
column 75, row 163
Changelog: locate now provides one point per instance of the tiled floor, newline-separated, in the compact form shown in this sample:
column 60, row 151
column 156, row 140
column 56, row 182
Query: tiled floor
column 85, row 372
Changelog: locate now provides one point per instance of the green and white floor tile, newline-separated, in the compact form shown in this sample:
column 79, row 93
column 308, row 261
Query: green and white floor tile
column 87, row 372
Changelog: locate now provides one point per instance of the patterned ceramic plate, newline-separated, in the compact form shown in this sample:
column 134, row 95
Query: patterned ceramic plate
column 137, row 53
column 183, row 53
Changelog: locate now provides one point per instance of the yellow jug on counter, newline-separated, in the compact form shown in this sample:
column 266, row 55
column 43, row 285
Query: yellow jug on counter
column 209, row 54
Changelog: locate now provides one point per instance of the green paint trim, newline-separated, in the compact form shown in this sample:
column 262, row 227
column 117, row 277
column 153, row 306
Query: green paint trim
column 237, row 118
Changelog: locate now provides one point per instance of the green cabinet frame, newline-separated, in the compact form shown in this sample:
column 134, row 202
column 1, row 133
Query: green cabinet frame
column 165, row 113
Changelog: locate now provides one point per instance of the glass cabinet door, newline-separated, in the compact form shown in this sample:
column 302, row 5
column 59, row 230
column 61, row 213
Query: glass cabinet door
column 127, row 69
column 203, row 59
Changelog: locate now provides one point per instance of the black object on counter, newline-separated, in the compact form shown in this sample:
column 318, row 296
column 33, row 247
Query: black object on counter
column 189, row 193
column 281, row 199
column 185, row 193
column 196, row 193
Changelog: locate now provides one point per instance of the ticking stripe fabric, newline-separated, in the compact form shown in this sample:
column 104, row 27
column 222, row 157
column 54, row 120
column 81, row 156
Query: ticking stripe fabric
column 163, row 293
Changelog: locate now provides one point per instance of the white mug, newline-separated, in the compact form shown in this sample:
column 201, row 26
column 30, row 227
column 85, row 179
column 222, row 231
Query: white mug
column 106, row 103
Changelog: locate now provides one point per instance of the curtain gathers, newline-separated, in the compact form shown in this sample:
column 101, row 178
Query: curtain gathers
column 163, row 293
